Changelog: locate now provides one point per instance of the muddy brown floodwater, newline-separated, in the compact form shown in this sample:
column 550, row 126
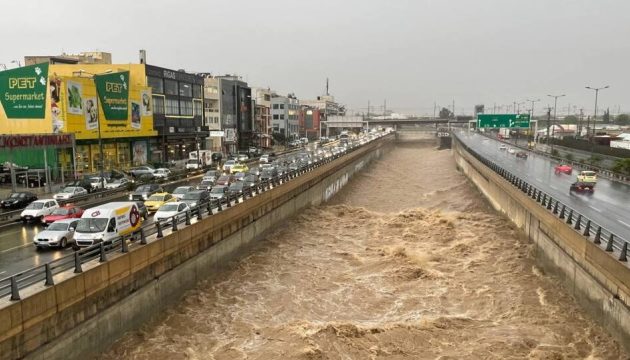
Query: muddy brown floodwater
column 407, row 262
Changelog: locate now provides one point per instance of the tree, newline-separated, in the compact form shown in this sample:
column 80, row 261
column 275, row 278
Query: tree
column 570, row 119
column 622, row 166
column 622, row 119
column 606, row 117
column 446, row 113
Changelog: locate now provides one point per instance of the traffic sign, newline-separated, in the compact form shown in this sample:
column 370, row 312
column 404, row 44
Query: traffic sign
column 503, row 121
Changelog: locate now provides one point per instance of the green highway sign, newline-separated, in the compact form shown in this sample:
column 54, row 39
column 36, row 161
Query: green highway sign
column 520, row 121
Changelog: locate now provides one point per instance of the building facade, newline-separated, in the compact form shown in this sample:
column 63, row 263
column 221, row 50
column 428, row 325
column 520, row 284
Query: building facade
column 310, row 118
column 327, row 107
column 262, row 117
column 235, row 98
column 212, row 111
column 178, row 116
column 284, row 115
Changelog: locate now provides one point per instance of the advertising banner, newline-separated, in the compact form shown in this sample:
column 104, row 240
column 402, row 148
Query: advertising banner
column 75, row 97
column 113, row 94
column 23, row 92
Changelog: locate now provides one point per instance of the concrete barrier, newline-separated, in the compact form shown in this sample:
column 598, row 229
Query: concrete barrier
column 82, row 314
column 598, row 281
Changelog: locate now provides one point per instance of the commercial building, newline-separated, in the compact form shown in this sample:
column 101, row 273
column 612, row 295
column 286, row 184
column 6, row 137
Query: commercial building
column 310, row 118
column 212, row 111
column 235, row 113
column 327, row 107
column 262, row 117
column 177, row 113
column 284, row 115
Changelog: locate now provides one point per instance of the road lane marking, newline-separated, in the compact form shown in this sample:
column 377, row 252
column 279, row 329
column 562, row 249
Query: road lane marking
column 594, row 208
column 15, row 247
column 553, row 187
column 2, row 272
column 625, row 223
column 539, row 179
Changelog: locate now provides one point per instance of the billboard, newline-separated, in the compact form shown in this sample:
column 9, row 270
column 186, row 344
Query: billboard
column 113, row 94
column 23, row 92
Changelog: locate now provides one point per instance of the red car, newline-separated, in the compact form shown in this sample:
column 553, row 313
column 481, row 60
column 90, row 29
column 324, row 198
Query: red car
column 582, row 187
column 563, row 168
column 64, row 212
column 225, row 180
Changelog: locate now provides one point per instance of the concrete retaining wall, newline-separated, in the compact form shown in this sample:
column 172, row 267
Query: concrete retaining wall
column 85, row 313
column 599, row 282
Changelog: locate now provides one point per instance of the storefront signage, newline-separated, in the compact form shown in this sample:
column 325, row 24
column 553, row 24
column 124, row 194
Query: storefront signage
column 23, row 91
column 113, row 93
column 36, row 141
column 217, row 133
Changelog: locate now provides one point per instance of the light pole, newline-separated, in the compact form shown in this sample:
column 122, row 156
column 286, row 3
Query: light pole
column 555, row 104
column 595, row 113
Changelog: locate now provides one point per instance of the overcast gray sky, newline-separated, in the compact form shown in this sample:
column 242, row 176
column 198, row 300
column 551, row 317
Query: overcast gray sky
column 412, row 53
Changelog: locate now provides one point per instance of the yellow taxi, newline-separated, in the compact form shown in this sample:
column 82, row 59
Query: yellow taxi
column 156, row 200
column 238, row 168
column 587, row 176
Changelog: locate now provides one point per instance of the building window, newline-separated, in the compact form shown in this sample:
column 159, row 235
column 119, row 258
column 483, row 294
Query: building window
column 156, row 84
column 170, row 87
column 281, row 106
column 197, row 106
column 281, row 116
column 185, row 89
column 186, row 107
column 267, row 97
column 172, row 107
column 158, row 104
column 275, row 116
column 197, row 91
column 275, row 106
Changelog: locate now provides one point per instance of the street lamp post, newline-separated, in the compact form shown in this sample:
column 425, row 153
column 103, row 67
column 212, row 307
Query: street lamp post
column 555, row 104
column 531, row 114
column 595, row 113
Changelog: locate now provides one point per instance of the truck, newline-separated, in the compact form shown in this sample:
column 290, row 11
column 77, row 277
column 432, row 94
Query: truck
column 198, row 159
column 504, row 133
column 105, row 223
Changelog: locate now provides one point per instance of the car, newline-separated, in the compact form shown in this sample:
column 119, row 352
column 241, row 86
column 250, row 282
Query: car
column 238, row 168
column 587, row 176
column 242, row 157
column 158, row 199
column 211, row 175
column 179, row 191
column 57, row 234
column 502, row 147
column 225, row 180
column 142, row 209
column 167, row 211
column 38, row 209
column 162, row 173
column 239, row 176
column 254, row 151
column 521, row 154
column 228, row 165
column 142, row 171
column 196, row 197
column 143, row 192
column 63, row 212
column 70, row 192
column 84, row 183
column 238, row 188
column 268, row 174
column 18, row 200
column 117, row 183
column 511, row 151
column 582, row 187
column 264, row 158
column 97, row 182
column 563, row 168
column 218, row 192
column 253, row 170
column 205, row 185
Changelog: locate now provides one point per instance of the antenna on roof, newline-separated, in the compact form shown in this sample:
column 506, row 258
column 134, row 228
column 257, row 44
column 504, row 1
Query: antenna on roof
column 327, row 87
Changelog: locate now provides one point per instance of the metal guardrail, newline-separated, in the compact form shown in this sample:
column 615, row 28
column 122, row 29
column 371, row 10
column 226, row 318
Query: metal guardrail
column 11, row 286
column 590, row 230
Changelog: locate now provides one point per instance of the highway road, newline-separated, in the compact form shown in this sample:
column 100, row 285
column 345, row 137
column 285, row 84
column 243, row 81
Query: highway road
column 609, row 206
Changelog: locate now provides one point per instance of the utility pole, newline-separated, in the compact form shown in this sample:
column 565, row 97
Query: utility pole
column 580, row 119
column 596, row 93
column 384, row 109
column 453, row 108
column 549, row 125
column 368, row 114
column 434, row 109
column 555, row 106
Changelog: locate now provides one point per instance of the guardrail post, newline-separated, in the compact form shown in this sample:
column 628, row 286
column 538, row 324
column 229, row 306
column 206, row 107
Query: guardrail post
column 219, row 206
column 570, row 217
column 564, row 208
column 143, row 237
column 49, row 277
column 587, row 229
column 174, row 221
column 578, row 222
column 125, row 247
column 549, row 201
column 159, row 229
column 15, row 291
column 77, row 263
column 624, row 250
column 229, row 202
column 544, row 198
column 187, row 218
column 199, row 215
column 103, row 257
column 609, row 246
column 533, row 193
column 555, row 208
column 598, row 236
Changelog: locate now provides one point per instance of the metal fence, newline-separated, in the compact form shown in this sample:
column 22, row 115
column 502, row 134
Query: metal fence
column 44, row 274
column 590, row 230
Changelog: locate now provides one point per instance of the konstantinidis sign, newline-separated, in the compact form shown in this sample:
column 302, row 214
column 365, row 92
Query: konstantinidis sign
column 36, row 141
column 113, row 93
column 23, row 92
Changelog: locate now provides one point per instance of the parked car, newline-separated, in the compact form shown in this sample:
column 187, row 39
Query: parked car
column 521, row 154
column 167, row 211
column 70, row 192
column 63, row 212
column 162, row 173
column 38, row 209
column 238, row 168
column 563, row 168
column 218, row 192
column 143, row 192
column 179, row 191
column 142, row 171
column 225, row 180
column 228, row 165
column 57, row 234
column 205, row 185
column 18, row 200
column 117, row 183
column 196, row 197
column 84, row 183
column 587, row 176
column 158, row 199
column 582, row 187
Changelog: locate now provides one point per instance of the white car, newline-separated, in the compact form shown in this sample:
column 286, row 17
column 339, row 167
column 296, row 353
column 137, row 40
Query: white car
column 118, row 183
column 228, row 165
column 57, row 234
column 511, row 150
column 36, row 210
column 98, row 182
column 162, row 173
column 167, row 211
column 193, row 164
column 70, row 192
column 502, row 147
column 179, row 191
column 264, row 159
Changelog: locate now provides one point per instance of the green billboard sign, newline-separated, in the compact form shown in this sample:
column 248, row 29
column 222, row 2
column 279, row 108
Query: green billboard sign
column 520, row 121
column 23, row 92
column 113, row 93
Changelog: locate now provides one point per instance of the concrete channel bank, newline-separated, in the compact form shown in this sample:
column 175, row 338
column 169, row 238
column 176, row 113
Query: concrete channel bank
column 598, row 281
column 84, row 313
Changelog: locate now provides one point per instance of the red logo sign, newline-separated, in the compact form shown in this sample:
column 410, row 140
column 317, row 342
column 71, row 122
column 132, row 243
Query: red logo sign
column 134, row 216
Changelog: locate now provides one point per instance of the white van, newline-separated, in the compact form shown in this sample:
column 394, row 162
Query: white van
column 107, row 222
